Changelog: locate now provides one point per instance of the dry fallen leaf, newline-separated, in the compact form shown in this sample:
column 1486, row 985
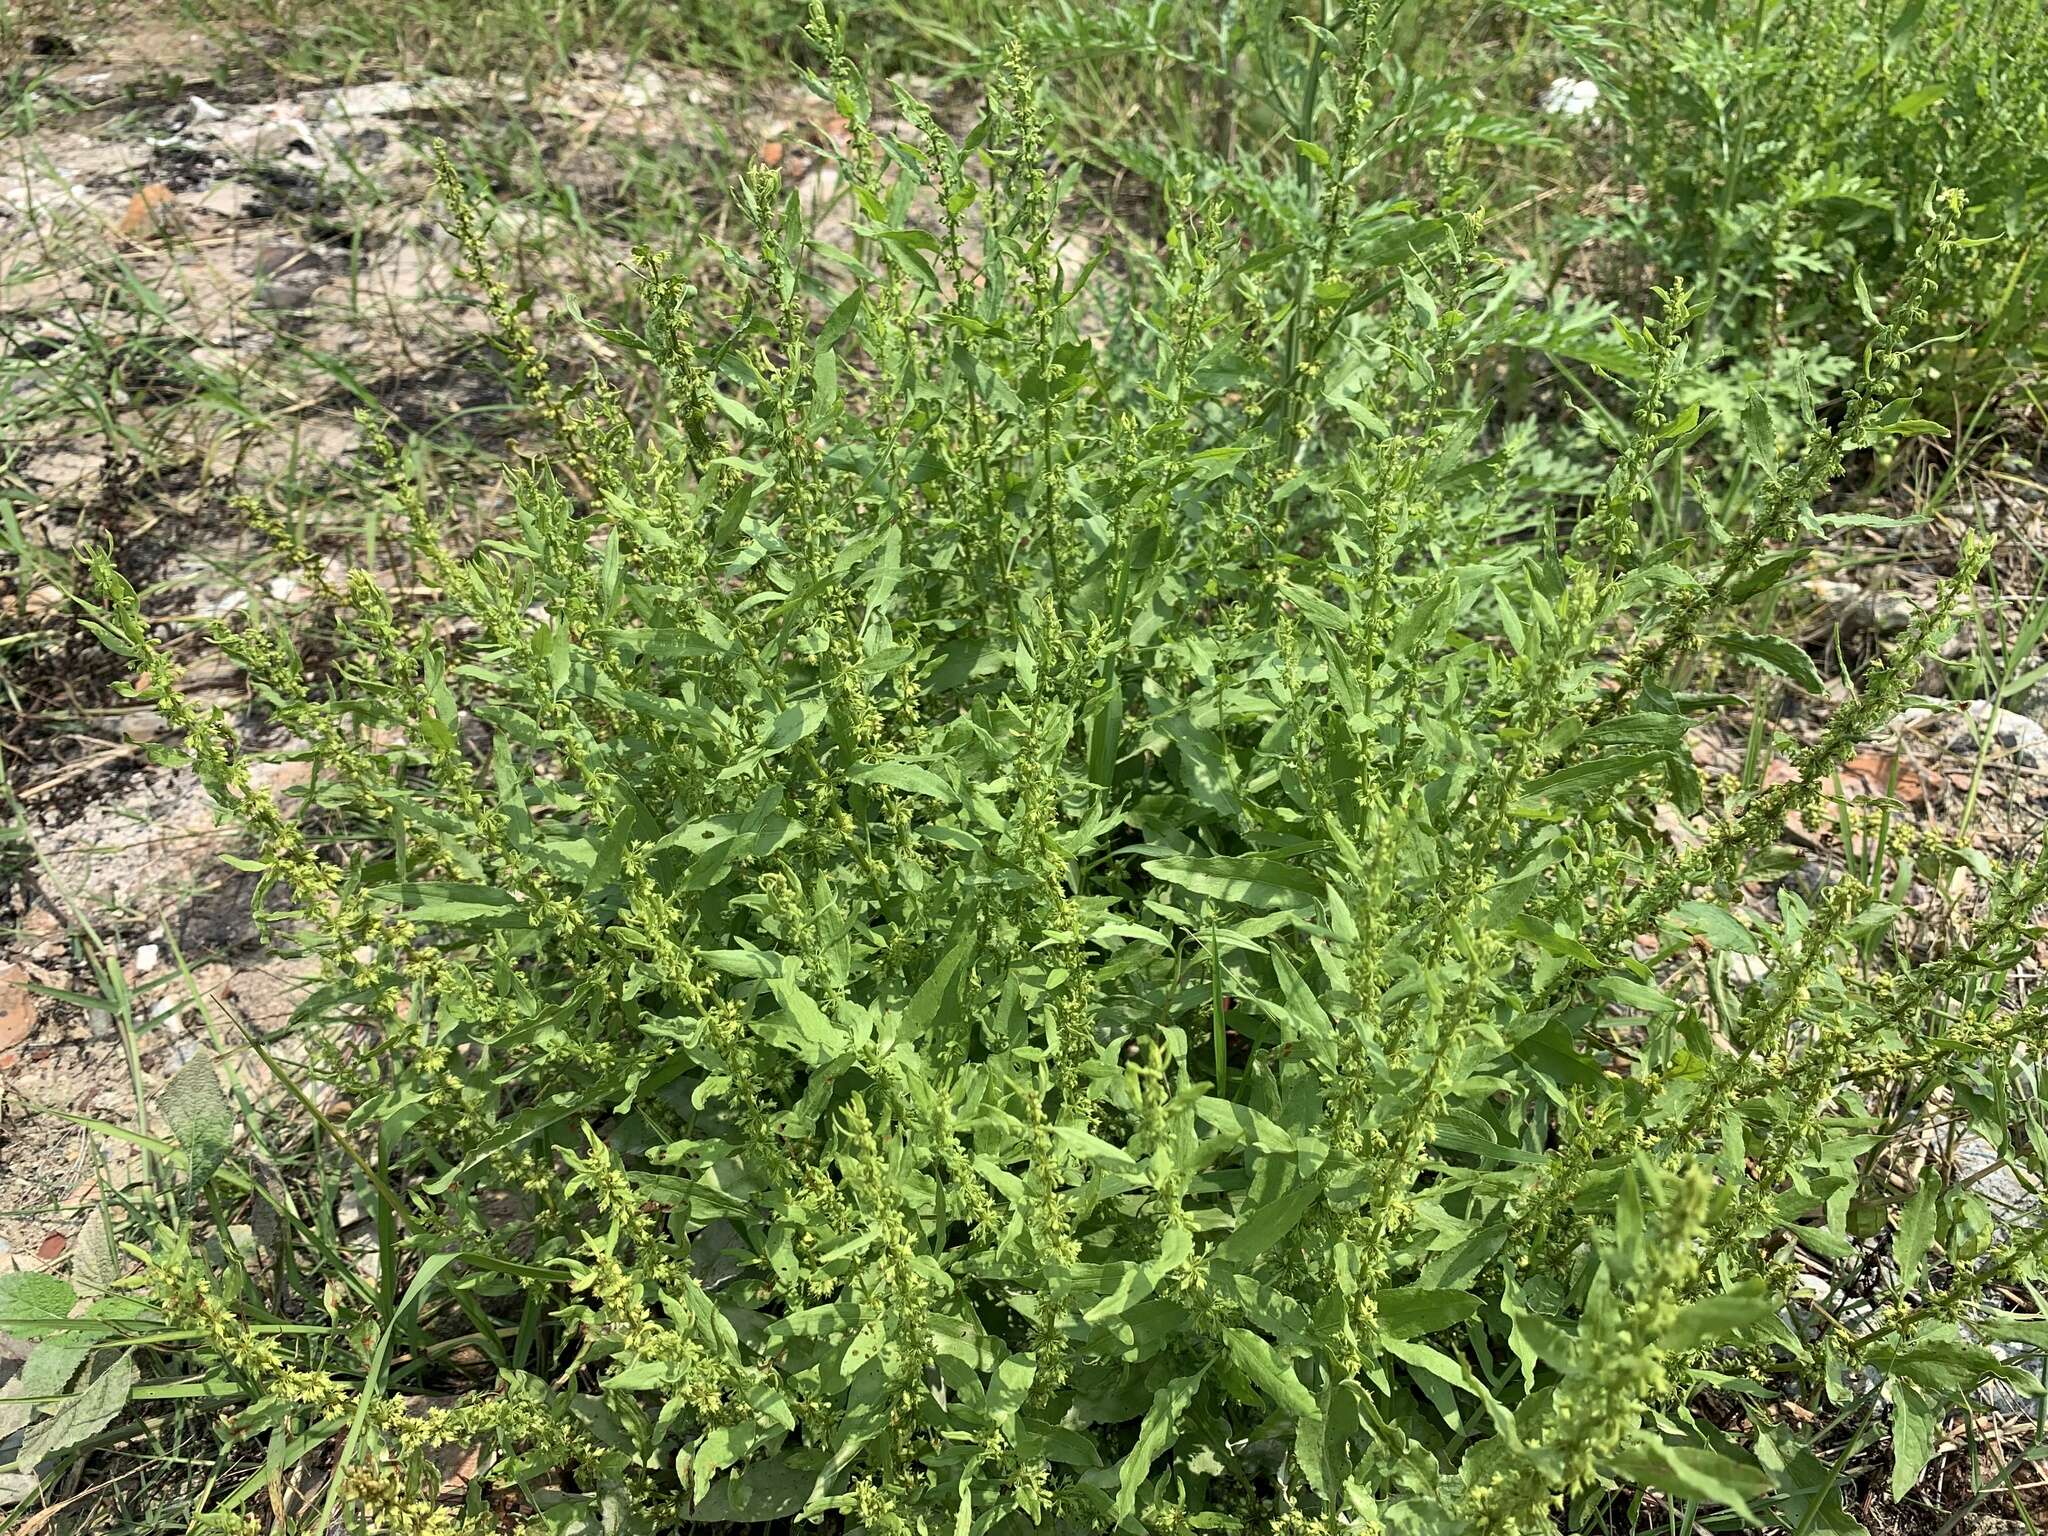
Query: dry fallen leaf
column 152, row 211
column 17, row 1007
column 1871, row 773
column 457, row 1462
column 42, row 1519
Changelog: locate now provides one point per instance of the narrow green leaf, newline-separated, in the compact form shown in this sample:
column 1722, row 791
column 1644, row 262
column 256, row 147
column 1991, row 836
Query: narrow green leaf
column 1273, row 1376
column 1160, row 1428
column 1916, row 1231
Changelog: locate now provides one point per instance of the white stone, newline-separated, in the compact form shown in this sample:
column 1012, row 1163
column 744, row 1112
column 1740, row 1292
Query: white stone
column 2011, row 735
column 1568, row 96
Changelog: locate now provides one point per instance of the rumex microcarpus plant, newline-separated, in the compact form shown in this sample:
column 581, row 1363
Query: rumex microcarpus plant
column 1020, row 916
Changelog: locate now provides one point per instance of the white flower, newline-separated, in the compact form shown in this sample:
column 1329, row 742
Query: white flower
column 1570, row 97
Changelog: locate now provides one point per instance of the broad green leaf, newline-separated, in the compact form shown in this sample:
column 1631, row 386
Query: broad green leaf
column 1466, row 1130
column 802, row 1028
column 1913, row 1429
column 931, row 993
column 768, row 1489
column 1775, row 654
column 1414, row 1310
column 1897, row 418
column 1758, row 435
column 31, row 1301
column 1640, row 728
column 1726, row 1316
column 1912, row 105
column 1432, row 1362
column 1202, row 765
column 448, row 901
column 1717, row 925
column 1694, row 1473
column 1136, row 1281
column 200, row 1117
column 1916, row 1230
column 1807, row 1491
column 46, row 1373
column 1267, row 884
column 1243, row 1121
column 1596, row 775
column 1009, row 1390
column 908, row 777
column 91, row 1409
column 1269, row 1223
column 1639, row 995
column 1945, row 1366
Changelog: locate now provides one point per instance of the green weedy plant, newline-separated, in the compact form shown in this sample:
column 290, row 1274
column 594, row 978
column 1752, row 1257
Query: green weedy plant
column 1785, row 155
column 1020, row 916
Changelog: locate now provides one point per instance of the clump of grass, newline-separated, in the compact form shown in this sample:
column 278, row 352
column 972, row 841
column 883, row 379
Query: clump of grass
column 1018, row 915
